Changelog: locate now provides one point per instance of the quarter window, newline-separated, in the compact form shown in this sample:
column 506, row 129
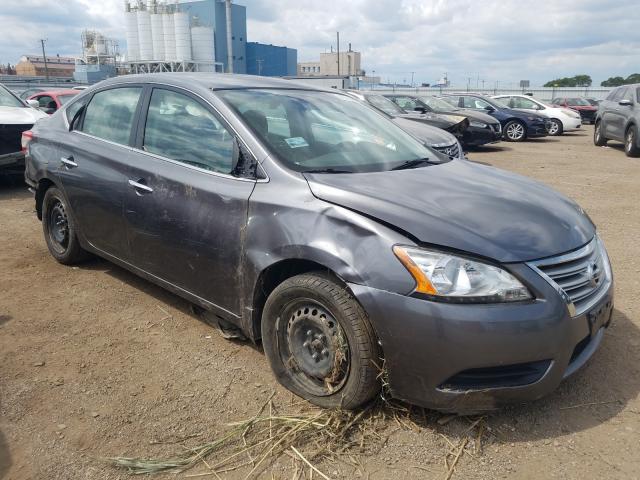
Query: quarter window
column 110, row 113
column 180, row 128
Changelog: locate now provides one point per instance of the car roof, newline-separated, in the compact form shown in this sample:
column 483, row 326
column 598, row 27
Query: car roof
column 212, row 81
column 59, row 91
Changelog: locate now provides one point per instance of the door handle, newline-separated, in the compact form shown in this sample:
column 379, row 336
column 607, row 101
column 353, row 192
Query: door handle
column 68, row 162
column 140, row 187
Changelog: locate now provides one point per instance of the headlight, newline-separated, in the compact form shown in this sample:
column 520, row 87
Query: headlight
column 474, row 123
column 452, row 278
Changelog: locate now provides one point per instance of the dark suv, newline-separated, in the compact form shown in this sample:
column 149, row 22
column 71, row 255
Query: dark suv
column 516, row 125
column 309, row 221
column 618, row 118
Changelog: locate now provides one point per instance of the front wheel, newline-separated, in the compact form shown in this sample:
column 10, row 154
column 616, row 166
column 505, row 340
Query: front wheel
column 60, row 231
column 599, row 139
column 555, row 127
column 631, row 142
column 319, row 342
column 515, row 131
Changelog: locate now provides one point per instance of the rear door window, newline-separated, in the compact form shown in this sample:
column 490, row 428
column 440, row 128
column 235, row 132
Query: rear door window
column 182, row 129
column 525, row 103
column 110, row 114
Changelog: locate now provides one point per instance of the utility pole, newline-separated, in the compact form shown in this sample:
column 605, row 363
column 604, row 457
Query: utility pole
column 338, row 48
column 259, row 62
column 373, row 79
column 46, row 67
column 229, row 24
column 412, row 78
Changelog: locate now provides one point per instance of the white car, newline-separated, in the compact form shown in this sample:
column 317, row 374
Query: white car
column 560, row 119
column 16, row 117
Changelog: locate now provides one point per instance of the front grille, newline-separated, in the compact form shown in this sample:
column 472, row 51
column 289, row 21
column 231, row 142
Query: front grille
column 588, row 114
column 452, row 150
column 497, row 377
column 581, row 275
column 10, row 136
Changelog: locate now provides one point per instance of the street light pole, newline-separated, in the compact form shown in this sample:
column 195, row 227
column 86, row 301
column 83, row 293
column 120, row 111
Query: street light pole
column 44, row 56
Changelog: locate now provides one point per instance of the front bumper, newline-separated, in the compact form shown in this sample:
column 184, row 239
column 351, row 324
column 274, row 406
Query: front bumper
column 426, row 344
column 476, row 136
column 536, row 129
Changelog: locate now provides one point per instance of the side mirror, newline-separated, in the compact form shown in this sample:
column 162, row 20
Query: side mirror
column 33, row 103
column 489, row 108
column 420, row 109
column 242, row 162
column 625, row 103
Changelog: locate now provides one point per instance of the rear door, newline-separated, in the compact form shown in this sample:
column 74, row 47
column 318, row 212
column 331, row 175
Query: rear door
column 93, row 165
column 613, row 114
column 185, row 211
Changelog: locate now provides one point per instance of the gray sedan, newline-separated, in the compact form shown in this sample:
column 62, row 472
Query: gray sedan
column 309, row 221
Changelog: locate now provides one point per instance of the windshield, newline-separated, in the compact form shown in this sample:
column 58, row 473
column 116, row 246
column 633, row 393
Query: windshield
column 384, row 104
column 437, row 104
column 7, row 99
column 64, row 98
column 578, row 102
column 497, row 102
column 311, row 131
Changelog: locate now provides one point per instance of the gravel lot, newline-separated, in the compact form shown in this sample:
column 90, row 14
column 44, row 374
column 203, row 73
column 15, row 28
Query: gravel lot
column 95, row 362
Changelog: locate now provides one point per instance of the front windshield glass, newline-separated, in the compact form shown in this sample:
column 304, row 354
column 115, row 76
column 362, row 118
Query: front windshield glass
column 63, row 99
column 437, row 104
column 497, row 102
column 7, row 99
column 578, row 102
column 311, row 131
column 383, row 103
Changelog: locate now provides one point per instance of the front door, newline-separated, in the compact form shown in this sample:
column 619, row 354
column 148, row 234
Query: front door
column 185, row 212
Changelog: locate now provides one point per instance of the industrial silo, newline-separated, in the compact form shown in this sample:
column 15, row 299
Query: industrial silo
column 169, row 37
column 183, row 36
column 144, row 35
column 202, row 46
column 133, row 44
column 157, row 37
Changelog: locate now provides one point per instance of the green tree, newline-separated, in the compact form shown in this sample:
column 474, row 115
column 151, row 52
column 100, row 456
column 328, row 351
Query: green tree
column 613, row 82
column 576, row 81
column 633, row 78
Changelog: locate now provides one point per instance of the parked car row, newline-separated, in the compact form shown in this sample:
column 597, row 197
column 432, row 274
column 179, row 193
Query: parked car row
column 307, row 220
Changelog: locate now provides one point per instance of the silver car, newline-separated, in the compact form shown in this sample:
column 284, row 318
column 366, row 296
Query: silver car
column 618, row 118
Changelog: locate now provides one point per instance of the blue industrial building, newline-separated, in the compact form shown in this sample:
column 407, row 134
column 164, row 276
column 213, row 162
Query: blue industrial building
column 271, row 60
column 212, row 13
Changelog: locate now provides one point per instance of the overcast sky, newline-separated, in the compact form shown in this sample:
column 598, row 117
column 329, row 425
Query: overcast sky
column 491, row 40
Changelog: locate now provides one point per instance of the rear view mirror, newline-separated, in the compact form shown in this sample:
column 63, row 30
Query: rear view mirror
column 489, row 108
column 625, row 103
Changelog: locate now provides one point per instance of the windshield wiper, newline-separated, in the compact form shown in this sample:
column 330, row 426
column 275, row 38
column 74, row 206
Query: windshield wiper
column 327, row 170
column 412, row 164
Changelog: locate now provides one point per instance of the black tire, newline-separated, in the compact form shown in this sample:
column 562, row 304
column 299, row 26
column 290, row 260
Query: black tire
column 599, row 139
column 555, row 127
column 60, row 231
column 515, row 131
column 313, row 314
column 631, row 142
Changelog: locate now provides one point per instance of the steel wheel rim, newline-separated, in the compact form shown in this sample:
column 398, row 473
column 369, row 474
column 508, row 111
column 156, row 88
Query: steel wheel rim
column 630, row 139
column 554, row 128
column 58, row 223
column 598, row 132
column 313, row 347
column 515, row 131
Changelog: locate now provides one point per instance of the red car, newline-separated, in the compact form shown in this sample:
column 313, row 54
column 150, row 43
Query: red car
column 52, row 100
column 586, row 110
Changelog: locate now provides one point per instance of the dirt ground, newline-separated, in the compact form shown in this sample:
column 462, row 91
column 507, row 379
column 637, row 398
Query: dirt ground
column 95, row 362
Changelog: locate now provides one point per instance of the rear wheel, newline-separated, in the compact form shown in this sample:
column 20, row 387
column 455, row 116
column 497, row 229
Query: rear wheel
column 598, row 138
column 515, row 131
column 555, row 127
column 319, row 342
column 60, row 232
column 631, row 142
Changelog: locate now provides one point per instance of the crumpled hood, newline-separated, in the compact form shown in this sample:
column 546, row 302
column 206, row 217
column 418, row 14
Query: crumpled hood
column 20, row 115
column 424, row 132
column 465, row 206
